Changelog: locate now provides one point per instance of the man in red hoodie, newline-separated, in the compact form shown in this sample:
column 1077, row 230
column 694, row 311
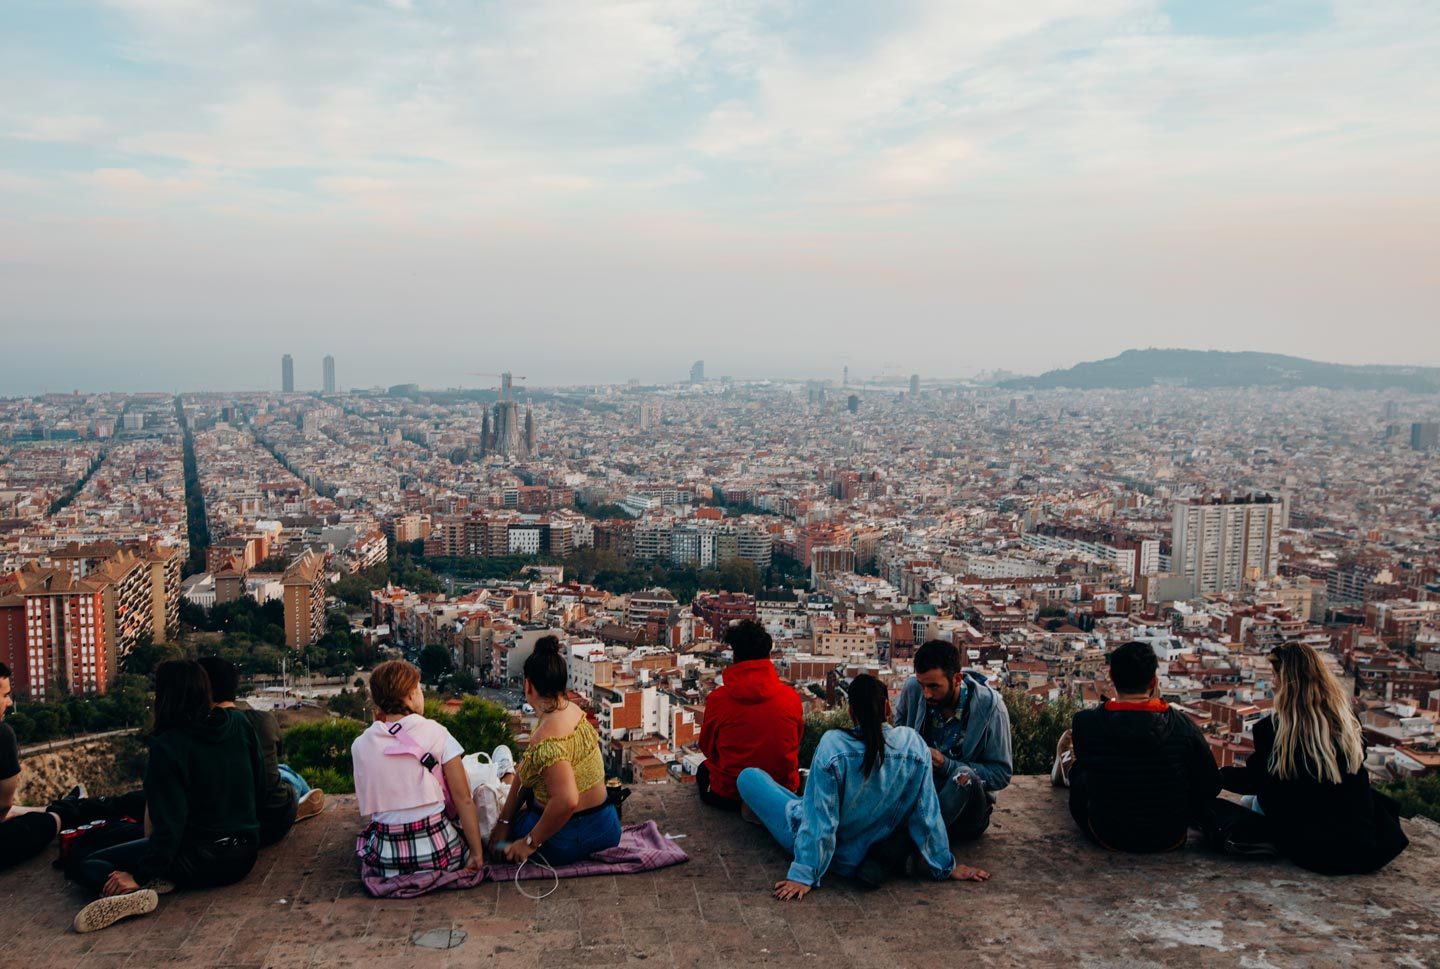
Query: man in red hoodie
column 753, row 720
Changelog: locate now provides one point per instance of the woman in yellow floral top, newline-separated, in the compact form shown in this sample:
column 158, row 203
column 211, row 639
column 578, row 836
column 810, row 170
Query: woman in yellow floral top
column 559, row 805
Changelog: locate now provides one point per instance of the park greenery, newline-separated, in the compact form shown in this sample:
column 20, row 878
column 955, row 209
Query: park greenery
column 1417, row 796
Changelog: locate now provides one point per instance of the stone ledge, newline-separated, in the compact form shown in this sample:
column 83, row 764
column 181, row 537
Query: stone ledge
column 1055, row 900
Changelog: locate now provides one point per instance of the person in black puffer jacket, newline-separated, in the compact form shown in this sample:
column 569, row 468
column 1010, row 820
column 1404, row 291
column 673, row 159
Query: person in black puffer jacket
column 1143, row 774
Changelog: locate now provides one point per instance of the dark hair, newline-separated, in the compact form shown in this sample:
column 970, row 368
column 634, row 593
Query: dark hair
column 224, row 678
column 4, row 672
column 1132, row 667
column 867, row 709
column 391, row 684
column 748, row 640
column 937, row 655
column 182, row 694
column 545, row 667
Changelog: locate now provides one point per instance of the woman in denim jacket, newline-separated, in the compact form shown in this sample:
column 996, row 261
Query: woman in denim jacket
column 865, row 785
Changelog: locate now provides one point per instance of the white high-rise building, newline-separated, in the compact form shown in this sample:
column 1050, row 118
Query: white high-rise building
column 1217, row 543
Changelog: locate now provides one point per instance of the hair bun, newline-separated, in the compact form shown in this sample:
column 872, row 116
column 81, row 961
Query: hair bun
column 548, row 644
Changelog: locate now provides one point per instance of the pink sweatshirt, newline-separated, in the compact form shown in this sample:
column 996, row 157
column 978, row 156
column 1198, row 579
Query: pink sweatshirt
column 385, row 782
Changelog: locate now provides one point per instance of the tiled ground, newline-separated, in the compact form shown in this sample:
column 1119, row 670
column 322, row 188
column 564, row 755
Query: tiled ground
column 1054, row 901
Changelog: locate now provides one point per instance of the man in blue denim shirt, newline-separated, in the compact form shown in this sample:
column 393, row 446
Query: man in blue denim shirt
column 967, row 728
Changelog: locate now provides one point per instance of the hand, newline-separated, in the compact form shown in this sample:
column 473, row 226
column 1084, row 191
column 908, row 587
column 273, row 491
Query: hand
column 937, row 759
column 962, row 778
column 791, row 891
column 119, row 883
column 964, row 873
column 519, row 851
column 499, row 833
column 476, row 861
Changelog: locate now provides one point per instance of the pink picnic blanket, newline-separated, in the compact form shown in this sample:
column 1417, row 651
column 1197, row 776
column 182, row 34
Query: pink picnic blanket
column 642, row 848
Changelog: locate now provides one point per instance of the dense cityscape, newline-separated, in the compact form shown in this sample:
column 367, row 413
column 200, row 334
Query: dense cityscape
column 854, row 518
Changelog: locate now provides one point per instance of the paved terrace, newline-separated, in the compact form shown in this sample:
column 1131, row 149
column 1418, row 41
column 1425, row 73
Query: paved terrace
column 1053, row 901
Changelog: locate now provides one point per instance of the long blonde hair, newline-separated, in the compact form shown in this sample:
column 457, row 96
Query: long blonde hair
column 1315, row 731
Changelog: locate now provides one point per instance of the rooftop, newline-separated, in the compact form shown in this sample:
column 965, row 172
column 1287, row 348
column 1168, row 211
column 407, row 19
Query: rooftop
column 1054, row 900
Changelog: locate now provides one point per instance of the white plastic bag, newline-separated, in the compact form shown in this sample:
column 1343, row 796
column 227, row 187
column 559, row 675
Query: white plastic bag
column 487, row 789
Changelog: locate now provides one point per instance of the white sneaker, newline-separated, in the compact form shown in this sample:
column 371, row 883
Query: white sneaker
column 105, row 912
column 502, row 760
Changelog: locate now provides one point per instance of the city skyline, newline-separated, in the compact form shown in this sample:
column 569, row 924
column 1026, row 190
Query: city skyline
column 750, row 186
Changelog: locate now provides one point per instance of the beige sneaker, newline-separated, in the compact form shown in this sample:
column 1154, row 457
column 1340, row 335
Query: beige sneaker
column 105, row 912
column 311, row 804
column 160, row 886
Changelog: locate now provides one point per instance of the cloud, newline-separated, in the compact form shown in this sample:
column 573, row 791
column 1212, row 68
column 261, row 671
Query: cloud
column 724, row 145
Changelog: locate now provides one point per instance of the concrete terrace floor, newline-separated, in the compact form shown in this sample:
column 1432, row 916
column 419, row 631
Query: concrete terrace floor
column 1054, row 901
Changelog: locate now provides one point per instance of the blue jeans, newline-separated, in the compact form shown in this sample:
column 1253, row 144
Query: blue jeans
column 584, row 834
column 771, row 804
column 293, row 778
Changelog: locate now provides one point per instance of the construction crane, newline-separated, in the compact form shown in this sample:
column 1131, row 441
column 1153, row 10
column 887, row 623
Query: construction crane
column 506, row 379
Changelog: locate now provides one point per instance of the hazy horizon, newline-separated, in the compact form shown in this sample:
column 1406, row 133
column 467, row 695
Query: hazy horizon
column 589, row 192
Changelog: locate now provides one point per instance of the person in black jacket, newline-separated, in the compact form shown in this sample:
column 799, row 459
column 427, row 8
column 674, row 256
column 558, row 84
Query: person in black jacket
column 202, row 798
column 1313, row 797
column 1143, row 774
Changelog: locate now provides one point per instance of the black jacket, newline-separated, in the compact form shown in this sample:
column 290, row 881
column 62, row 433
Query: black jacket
column 1141, row 779
column 1333, row 829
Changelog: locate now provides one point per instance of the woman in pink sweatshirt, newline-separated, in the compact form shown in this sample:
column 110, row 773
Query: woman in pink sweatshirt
column 404, row 766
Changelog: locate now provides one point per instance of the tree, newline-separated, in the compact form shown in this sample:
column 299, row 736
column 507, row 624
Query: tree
column 435, row 663
column 816, row 726
column 320, row 751
column 354, row 704
column 1035, row 728
column 146, row 655
column 1418, row 796
column 479, row 725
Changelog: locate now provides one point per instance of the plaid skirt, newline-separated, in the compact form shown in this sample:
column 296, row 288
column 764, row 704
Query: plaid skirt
column 430, row 844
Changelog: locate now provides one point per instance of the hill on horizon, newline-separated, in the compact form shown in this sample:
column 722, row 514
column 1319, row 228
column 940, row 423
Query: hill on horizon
column 1213, row 369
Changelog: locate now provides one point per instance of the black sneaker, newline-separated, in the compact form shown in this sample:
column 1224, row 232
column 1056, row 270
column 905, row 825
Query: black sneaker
column 77, row 792
column 1253, row 849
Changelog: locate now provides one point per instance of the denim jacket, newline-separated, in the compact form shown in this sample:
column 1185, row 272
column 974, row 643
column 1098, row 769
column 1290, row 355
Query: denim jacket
column 844, row 812
column 985, row 753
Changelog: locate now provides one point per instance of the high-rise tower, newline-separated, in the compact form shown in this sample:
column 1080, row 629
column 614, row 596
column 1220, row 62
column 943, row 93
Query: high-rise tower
column 329, row 374
column 1219, row 543
column 287, row 374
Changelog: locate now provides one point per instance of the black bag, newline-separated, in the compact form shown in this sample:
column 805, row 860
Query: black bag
column 615, row 796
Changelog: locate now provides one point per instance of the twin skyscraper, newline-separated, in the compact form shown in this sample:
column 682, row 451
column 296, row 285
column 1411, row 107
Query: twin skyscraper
column 287, row 374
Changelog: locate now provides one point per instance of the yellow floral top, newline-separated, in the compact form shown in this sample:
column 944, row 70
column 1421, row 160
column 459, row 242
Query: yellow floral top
column 581, row 747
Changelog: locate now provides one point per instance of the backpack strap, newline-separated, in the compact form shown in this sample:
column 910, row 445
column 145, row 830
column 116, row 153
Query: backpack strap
column 407, row 746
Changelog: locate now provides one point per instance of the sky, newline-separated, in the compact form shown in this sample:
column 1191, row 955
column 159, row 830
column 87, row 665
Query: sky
column 589, row 191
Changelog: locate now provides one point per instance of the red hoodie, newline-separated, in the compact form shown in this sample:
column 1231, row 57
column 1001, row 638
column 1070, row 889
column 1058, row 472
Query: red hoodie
column 754, row 720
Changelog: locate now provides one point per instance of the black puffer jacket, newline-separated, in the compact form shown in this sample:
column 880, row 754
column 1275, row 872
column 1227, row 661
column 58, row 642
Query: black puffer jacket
column 1141, row 778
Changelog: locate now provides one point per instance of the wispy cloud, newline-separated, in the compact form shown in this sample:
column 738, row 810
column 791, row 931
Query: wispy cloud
column 891, row 141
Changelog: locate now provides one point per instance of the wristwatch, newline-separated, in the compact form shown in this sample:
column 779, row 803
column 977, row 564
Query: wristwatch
column 529, row 843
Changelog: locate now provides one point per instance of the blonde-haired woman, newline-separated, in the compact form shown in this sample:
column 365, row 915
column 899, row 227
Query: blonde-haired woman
column 1313, row 797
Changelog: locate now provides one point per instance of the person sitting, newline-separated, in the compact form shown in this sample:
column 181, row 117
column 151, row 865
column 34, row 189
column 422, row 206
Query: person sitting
column 202, row 785
column 24, row 832
column 287, row 798
column 865, row 784
column 1312, row 796
column 964, row 722
column 1143, row 774
column 752, row 720
column 396, row 762
column 559, row 805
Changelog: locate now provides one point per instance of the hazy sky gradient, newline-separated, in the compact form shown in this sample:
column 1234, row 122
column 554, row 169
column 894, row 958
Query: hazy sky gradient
column 587, row 191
